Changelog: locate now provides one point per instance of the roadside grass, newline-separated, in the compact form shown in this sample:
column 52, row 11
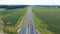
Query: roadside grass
column 1, row 25
column 11, row 18
column 4, row 12
column 1, row 22
column 47, row 20
column 20, row 23
column 40, row 25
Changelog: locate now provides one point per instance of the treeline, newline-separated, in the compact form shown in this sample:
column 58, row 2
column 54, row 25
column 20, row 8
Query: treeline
column 12, row 6
column 49, row 6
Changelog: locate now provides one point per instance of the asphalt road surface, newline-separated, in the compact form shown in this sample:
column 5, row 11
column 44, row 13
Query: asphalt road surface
column 28, row 26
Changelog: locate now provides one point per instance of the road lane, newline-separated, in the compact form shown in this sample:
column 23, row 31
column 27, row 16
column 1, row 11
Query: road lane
column 32, row 29
column 28, row 26
column 24, row 27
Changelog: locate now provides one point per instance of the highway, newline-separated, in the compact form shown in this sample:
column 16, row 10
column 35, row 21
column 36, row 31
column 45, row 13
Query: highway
column 28, row 26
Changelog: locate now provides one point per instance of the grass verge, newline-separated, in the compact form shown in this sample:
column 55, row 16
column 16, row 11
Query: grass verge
column 40, row 25
column 48, row 19
column 12, row 19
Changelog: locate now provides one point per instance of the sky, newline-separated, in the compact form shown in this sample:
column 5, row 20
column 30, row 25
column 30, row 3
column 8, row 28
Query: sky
column 30, row 2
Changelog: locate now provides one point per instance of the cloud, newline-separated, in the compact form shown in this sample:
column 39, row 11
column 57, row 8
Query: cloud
column 30, row 2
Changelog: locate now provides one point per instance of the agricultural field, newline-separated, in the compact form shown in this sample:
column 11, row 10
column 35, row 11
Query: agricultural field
column 46, row 20
column 10, row 19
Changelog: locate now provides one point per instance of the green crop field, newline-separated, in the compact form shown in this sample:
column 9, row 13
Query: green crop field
column 10, row 19
column 47, row 20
